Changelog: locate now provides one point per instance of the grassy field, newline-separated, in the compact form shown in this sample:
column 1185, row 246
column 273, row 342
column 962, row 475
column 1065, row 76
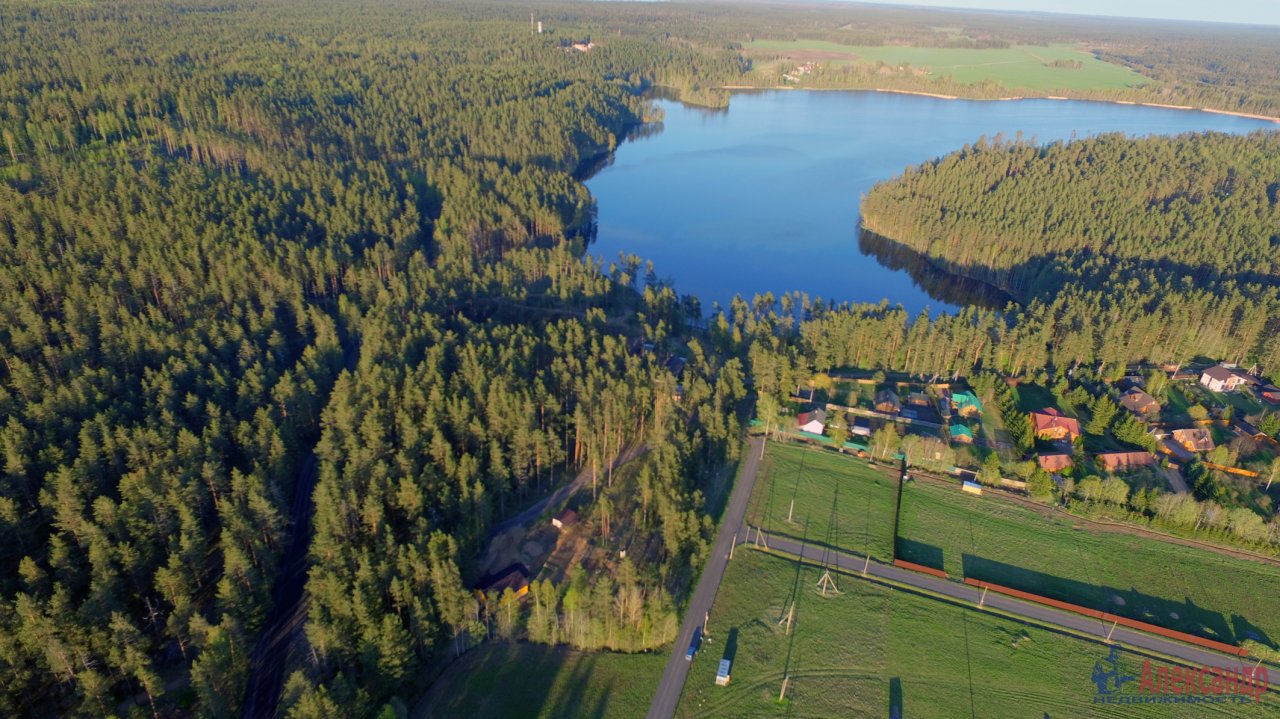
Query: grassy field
column 1183, row 588
column 530, row 680
column 857, row 653
column 1027, row 67
column 863, row 506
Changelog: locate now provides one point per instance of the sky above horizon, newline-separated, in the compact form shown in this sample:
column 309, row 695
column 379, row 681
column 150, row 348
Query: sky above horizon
column 1253, row 12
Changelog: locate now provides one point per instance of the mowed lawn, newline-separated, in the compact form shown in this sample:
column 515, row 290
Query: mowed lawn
column 1184, row 588
column 832, row 492
column 1026, row 67
column 500, row 679
column 851, row 654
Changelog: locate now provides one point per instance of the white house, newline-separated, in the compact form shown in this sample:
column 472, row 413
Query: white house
column 815, row 421
column 1221, row 378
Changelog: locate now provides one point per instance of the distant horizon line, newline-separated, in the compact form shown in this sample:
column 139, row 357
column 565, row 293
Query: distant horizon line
column 1094, row 14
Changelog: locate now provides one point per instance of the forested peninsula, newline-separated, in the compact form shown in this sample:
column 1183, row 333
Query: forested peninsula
column 1170, row 242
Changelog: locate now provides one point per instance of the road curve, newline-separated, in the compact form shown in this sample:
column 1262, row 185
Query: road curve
column 1192, row 655
column 673, row 677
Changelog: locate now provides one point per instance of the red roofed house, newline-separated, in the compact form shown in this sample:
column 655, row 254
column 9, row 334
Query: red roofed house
column 1120, row 461
column 1049, row 423
column 814, row 422
column 1054, row 462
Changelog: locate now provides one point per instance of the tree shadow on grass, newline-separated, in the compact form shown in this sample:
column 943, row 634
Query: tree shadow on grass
column 927, row 555
column 1184, row 615
column 895, row 698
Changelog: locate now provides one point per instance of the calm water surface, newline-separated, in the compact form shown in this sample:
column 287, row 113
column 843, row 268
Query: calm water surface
column 764, row 197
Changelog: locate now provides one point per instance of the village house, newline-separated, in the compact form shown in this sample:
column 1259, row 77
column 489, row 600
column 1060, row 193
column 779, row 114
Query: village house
column 1195, row 439
column 814, row 422
column 1139, row 402
column 1049, row 423
column 1054, row 462
column 514, row 577
column 966, row 404
column 1244, row 429
column 861, row 427
column 887, row 401
column 1122, row 461
column 961, row 433
column 1221, row 378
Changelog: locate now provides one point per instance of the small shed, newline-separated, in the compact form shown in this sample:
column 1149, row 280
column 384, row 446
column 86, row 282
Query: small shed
column 971, row 487
column 722, row 674
column 961, row 433
column 564, row 518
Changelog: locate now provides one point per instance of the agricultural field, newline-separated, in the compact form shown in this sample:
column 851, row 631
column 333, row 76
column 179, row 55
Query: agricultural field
column 531, row 680
column 872, row 648
column 1023, row 67
column 1193, row 590
column 823, row 483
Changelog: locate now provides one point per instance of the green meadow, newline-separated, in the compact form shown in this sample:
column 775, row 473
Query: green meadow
column 1021, row 67
column 1190, row 589
column 838, row 500
column 858, row 653
column 501, row 679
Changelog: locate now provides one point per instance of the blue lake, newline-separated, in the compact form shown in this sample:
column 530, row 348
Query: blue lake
column 763, row 197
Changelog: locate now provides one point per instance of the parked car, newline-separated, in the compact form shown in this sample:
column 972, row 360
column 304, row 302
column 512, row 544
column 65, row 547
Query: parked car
column 693, row 645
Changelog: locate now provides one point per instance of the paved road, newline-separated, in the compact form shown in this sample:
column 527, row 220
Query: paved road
column 672, row 683
column 1124, row 636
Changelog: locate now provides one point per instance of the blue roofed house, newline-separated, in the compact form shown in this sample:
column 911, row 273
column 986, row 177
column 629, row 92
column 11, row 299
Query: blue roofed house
column 961, row 433
column 966, row 404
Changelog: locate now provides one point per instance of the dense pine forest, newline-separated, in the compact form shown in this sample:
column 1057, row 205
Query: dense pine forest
column 230, row 234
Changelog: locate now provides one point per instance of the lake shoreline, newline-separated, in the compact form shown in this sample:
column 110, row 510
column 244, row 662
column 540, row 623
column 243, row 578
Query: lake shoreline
column 940, row 96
